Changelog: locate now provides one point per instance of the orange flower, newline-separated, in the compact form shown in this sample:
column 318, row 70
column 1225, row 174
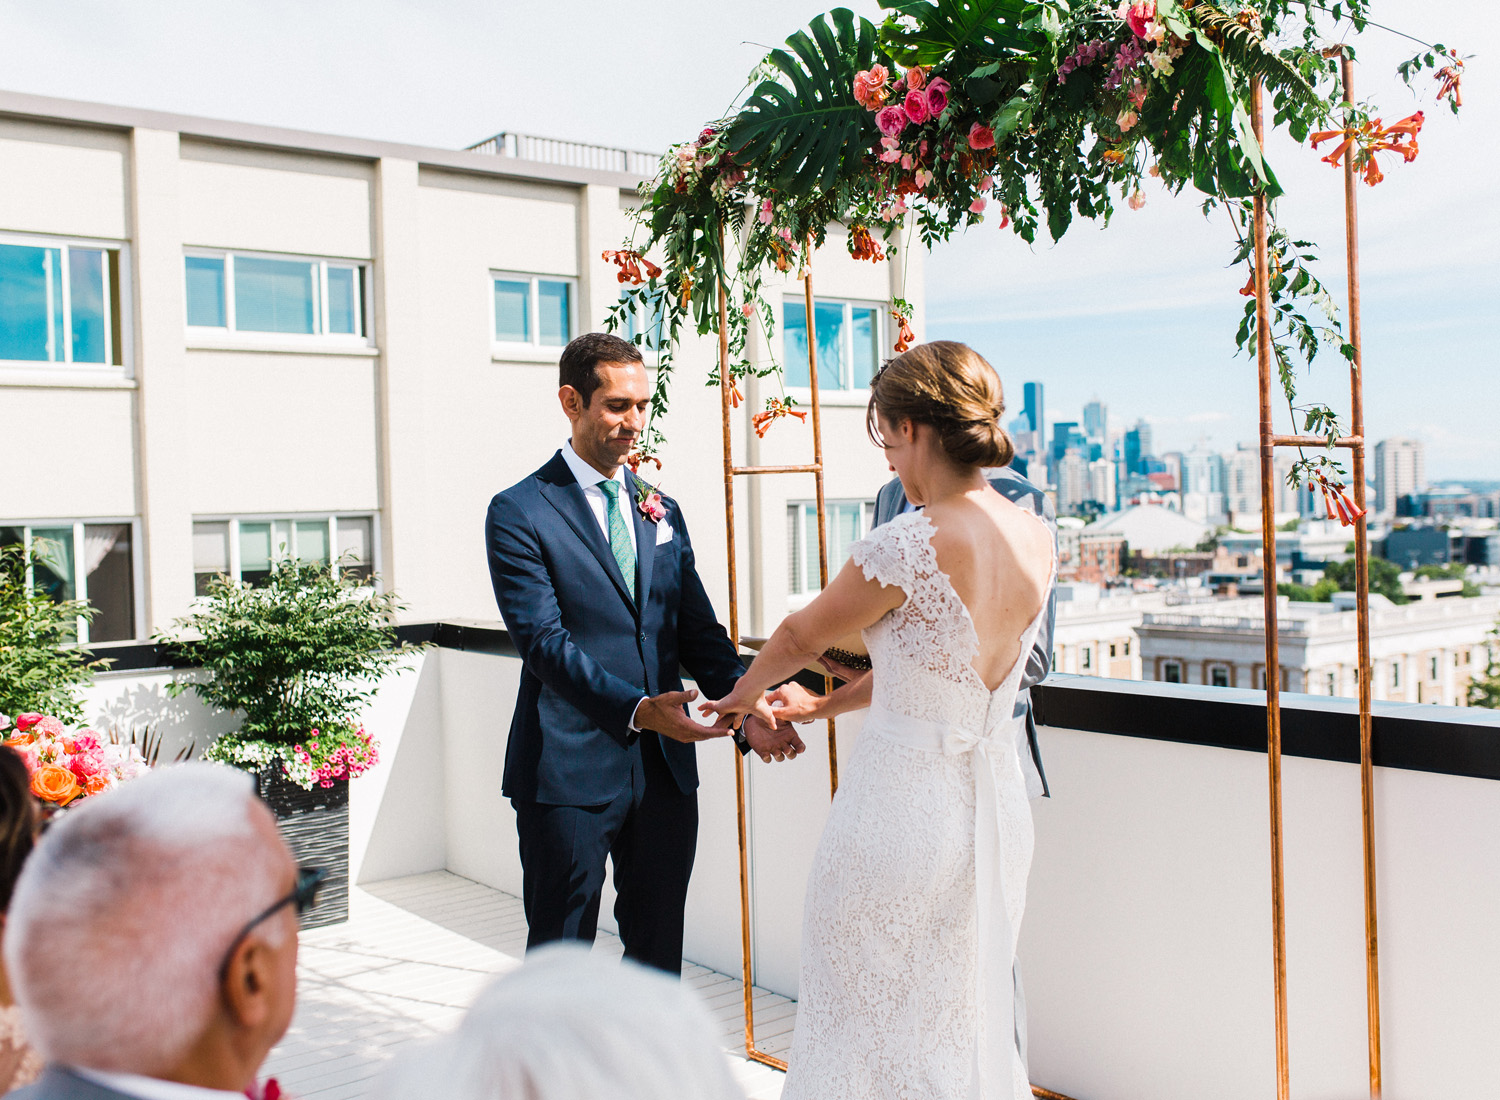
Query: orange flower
column 1113, row 156
column 862, row 246
column 905, row 337
column 52, row 783
column 735, row 397
column 775, row 410
column 1362, row 142
column 1339, row 503
column 636, row 459
column 687, row 289
column 630, row 262
column 1448, row 78
column 19, row 739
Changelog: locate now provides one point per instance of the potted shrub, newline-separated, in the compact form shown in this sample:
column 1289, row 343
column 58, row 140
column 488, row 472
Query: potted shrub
column 40, row 671
column 298, row 656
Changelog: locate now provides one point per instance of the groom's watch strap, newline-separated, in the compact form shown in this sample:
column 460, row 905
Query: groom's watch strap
column 741, row 742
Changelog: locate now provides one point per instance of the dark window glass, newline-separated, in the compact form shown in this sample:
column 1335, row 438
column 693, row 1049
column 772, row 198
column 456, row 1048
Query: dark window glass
column 109, row 581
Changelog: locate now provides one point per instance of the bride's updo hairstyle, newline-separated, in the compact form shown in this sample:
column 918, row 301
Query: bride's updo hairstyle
column 949, row 387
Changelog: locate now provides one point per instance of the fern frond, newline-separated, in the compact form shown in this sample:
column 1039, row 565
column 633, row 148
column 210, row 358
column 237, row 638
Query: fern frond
column 1245, row 49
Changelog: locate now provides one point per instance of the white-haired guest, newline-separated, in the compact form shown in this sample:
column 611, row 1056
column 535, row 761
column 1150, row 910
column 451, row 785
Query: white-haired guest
column 151, row 940
column 572, row 1026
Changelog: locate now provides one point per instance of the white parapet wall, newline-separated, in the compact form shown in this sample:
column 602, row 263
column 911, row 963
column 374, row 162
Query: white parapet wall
column 1146, row 947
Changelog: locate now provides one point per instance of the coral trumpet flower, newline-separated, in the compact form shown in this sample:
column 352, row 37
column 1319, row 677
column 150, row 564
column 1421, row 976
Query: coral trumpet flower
column 775, row 410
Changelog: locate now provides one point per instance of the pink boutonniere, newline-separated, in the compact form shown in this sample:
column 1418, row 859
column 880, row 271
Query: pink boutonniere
column 648, row 500
column 270, row 1089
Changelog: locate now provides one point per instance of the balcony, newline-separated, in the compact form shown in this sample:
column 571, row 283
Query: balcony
column 1147, row 943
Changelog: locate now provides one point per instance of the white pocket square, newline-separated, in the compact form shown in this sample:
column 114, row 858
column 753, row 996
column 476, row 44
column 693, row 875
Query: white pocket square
column 663, row 533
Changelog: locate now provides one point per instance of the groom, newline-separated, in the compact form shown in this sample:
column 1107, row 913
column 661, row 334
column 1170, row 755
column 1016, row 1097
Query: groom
column 601, row 596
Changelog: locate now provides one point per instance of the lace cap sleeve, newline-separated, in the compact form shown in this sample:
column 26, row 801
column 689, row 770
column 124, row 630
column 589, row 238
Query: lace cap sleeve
column 890, row 554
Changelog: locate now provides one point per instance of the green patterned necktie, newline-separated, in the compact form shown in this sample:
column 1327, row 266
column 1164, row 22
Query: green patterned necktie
column 619, row 535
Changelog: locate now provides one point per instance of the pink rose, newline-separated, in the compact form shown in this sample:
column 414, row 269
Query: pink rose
column 916, row 107
column 47, row 726
column 1137, row 13
column 891, row 121
column 981, row 136
column 869, row 87
column 4, row 723
column 25, row 721
column 915, row 77
column 937, row 96
column 978, row 205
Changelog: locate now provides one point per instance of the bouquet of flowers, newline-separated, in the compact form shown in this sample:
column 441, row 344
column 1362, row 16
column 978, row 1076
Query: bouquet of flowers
column 340, row 752
column 65, row 764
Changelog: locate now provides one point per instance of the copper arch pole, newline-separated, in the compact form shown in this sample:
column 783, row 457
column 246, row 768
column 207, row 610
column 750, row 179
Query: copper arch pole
column 1268, row 570
column 1362, row 603
column 730, row 471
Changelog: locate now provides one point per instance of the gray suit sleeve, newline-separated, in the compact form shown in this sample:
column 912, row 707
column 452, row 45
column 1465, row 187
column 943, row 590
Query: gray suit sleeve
column 1023, row 493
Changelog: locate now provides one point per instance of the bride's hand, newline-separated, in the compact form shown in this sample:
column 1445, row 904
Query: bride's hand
column 742, row 700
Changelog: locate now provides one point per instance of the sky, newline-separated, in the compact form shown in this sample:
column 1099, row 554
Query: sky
column 1140, row 315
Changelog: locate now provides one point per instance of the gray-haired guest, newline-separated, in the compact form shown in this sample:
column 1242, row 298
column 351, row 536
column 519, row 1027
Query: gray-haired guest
column 151, row 940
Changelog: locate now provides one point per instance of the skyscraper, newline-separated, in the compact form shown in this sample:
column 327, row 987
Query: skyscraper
column 1095, row 418
column 1400, row 468
column 1032, row 409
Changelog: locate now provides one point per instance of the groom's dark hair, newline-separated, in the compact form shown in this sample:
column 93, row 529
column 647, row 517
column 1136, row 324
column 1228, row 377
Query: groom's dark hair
column 584, row 353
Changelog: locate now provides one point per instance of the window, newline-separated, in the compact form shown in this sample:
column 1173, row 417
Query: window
column 59, row 302
column 1218, row 676
column 1127, row 647
column 533, row 309
column 245, row 548
column 1088, row 657
column 644, row 325
column 84, row 561
column 283, row 295
column 848, row 335
column 1432, row 668
column 848, row 520
column 1112, row 649
column 1333, row 683
column 1395, row 675
column 1171, row 672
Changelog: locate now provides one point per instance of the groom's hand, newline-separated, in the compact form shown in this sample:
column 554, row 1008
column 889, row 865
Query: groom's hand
column 664, row 714
column 772, row 742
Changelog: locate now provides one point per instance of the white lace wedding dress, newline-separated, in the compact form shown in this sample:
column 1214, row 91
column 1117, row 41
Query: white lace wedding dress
column 916, row 893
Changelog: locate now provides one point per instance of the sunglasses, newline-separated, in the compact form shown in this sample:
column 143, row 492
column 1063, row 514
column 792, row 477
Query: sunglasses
column 309, row 882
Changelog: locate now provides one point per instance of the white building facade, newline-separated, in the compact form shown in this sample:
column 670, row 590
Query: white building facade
column 1400, row 469
column 232, row 342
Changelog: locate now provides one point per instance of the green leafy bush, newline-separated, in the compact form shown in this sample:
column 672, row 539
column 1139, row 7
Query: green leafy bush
column 37, row 673
column 303, row 652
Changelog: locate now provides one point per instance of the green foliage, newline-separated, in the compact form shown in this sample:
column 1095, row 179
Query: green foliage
column 39, row 670
column 1484, row 689
column 1321, row 592
column 797, row 135
column 1454, row 571
column 1385, row 577
column 969, row 32
column 305, row 651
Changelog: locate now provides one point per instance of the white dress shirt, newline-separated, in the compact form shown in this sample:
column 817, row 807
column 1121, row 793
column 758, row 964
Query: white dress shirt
column 592, row 482
column 152, row 1088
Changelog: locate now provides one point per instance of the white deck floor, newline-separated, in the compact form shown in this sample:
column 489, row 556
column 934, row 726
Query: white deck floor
column 412, row 956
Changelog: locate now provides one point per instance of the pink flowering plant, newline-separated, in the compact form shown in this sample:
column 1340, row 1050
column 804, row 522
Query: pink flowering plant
column 1024, row 114
column 340, row 753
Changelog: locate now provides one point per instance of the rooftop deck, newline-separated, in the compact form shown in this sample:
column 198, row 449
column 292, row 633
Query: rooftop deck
column 415, row 953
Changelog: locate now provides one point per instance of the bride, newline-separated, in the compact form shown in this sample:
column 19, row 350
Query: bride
column 915, row 898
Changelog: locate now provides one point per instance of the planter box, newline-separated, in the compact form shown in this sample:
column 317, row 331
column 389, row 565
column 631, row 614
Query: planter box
column 315, row 826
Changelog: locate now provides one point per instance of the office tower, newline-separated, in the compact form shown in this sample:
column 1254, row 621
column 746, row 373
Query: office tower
column 1132, row 452
column 1102, row 483
column 1095, row 418
column 1033, row 411
column 1242, row 481
column 1073, row 484
column 1143, row 433
column 1400, row 470
column 1202, row 470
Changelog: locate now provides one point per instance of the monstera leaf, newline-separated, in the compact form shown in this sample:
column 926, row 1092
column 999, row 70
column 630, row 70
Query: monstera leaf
column 926, row 32
column 801, row 131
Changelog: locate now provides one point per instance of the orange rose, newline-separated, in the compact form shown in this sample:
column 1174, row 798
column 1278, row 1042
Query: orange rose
column 19, row 739
column 51, row 783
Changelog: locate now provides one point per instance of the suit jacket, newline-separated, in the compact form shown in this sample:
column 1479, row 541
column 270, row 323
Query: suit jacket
column 891, row 501
column 591, row 649
column 60, row 1083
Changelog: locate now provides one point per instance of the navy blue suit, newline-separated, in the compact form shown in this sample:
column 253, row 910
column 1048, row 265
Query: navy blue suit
column 583, row 783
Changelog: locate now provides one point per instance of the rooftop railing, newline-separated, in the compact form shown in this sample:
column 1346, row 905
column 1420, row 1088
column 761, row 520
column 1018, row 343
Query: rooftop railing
column 569, row 154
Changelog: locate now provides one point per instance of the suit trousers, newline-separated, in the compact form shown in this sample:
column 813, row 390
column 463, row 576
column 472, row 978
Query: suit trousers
column 649, row 831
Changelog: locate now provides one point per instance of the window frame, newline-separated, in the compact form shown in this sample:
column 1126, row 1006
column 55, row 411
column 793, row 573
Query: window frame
column 236, row 572
column 119, row 308
column 844, row 392
column 807, row 562
column 80, row 577
column 532, row 348
column 1220, row 667
column 1171, row 665
column 228, row 335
